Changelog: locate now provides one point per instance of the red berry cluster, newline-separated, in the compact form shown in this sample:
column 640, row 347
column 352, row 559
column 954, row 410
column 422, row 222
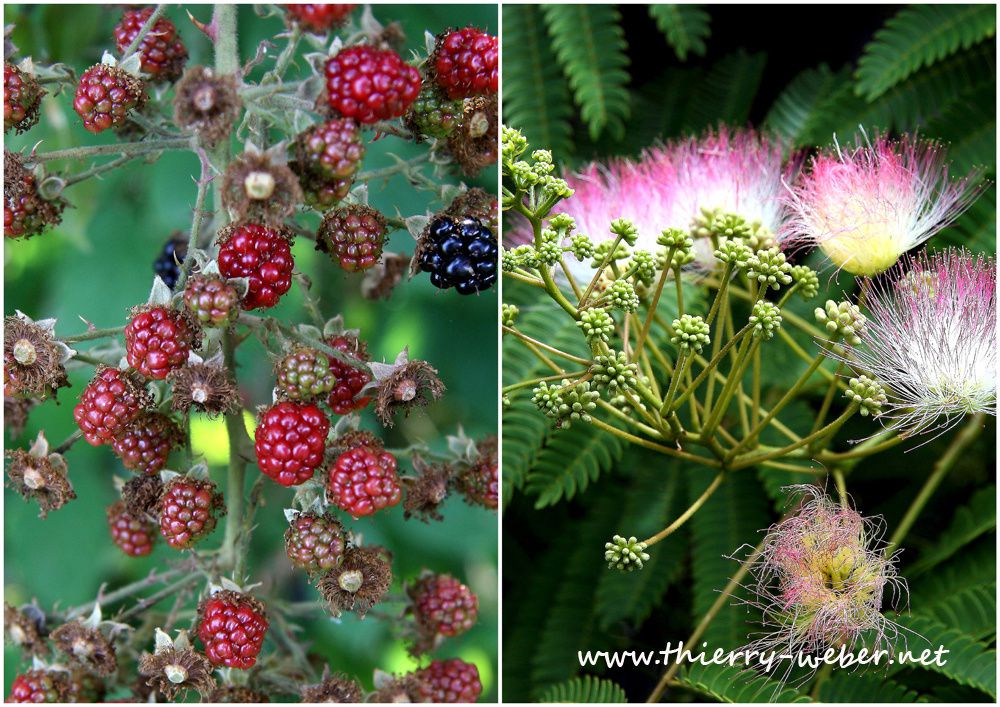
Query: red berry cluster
column 161, row 51
column 354, row 235
column 108, row 403
column 211, row 300
column 319, row 17
column 327, row 157
column 450, row 681
column 40, row 686
column 187, row 511
column 132, row 534
column 262, row 255
column 105, row 96
column 370, row 84
column 363, row 480
column 467, row 62
column 21, row 97
column 443, row 605
column 290, row 441
column 315, row 542
column 350, row 379
column 146, row 442
column 232, row 627
column 158, row 340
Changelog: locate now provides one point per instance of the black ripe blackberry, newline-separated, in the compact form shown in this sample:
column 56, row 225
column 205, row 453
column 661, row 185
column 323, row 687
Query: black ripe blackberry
column 167, row 263
column 460, row 254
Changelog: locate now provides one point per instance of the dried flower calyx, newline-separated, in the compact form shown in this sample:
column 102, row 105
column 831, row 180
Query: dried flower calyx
column 360, row 582
column 175, row 666
column 40, row 476
column 403, row 385
column 33, row 359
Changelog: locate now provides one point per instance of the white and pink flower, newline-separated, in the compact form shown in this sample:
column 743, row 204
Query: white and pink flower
column 866, row 206
column 931, row 338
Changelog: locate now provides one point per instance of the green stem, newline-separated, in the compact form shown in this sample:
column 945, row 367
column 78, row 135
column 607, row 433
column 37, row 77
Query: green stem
column 235, row 478
column 94, row 334
column 652, row 305
column 966, row 436
column 143, row 31
column 751, row 459
column 551, row 349
column 134, row 149
column 686, row 515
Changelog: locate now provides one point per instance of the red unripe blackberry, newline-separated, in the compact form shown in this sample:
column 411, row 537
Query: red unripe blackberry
column 188, row 511
column 363, row 480
column 322, row 194
column 108, row 403
column 331, row 150
column 354, row 236
column 444, row 606
column 161, row 51
column 315, row 542
column 290, row 441
column 158, row 340
column 370, row 84
column 263, row 256
column 21, row 96
column 25, row 212
column 211, row 300
column 132, row 534
column 350, row 379
column 146, row 442
column 232, row 627
column 304, row 374
column 480, row 483
column 466, row 62
column 40, row 686
column 319, row 17
column 105, row 96
column 450, row 681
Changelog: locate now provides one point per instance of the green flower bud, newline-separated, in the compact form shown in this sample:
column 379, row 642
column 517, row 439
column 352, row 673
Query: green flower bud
column 868, row 393
column 625, row 554
column 644, row 265
column 730, row 226
column 509, row 261
column 508, row 314
column 622, row 296
column 766, row 319
column 807, row 280
column 512, row 143
column 579, row 402
column 562, row 222
column 843, row 320
column 549, row 252
column 768, row 267
column 675, row 238
column 734, row 252
column 626, row 230
column 597, row 324
column 614, row 372
column 603, row 248
column 581, row 247
column 527, row 256
column 690, row 333
column 547, row 399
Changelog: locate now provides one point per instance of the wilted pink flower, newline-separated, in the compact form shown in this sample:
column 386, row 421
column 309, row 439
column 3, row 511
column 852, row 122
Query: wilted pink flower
column 867, row 205
column 821, row 579
column 931, row 339
column 734, row 171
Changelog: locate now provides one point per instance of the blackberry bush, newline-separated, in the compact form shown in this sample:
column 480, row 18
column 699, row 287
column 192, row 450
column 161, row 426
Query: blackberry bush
column 225, row 395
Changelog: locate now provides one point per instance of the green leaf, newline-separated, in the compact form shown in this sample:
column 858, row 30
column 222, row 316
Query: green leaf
column 797, row 104
column 725, row 683
column 849, row 687
column 972, row 611
column 976, row 229
column 572, row 459
column 968, row 523
column 587, row 689
column 590, row 45
column 918, row 36
column 731, row 518
column 968, row 127
column 686, row 27
column 536, row 99
column 726, row 93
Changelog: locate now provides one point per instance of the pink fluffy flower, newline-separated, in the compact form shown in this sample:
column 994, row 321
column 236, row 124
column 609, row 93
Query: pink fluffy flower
column 867, row 205
column 822, row 577
column 734, row 171
column 931, row 339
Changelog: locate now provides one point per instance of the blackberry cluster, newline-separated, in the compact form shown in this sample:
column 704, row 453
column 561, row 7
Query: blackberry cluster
column 460, row 254
column 167, row 263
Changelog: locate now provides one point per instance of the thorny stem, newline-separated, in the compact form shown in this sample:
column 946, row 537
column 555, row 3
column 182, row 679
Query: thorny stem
column 143, row 31
column 94, row 334
column 124, row 592
column 966, row 436
column 234, row 479
column 196, row 223
column 134, row 149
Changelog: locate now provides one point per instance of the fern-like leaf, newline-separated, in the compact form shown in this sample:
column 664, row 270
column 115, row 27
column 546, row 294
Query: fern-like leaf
column 590, row 45
column 536, row 99
column 972, row 611
column 587, row 689
column 571, row 460
column 686, row 27
column 726, row 683
column 726, row 93
column 968, row 126
column 795, row 107
column 918, row 36
column 968, row 523
column 854, row 687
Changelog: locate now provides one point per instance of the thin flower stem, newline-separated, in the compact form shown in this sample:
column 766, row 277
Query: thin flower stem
column 600, row 271
column 831, row 390
column 546, row 347
column 680, row 292
column 686, row 515
column 711, row 366
column 859, row 452
column 788, row 316
column 804, row 355
column 966, row 436
column 680, row 454
column 536, row 381
column 533, row 281
column 654, row 302
column 735, row 376
column 152, row 600
column 569, row 278
column 751, row 459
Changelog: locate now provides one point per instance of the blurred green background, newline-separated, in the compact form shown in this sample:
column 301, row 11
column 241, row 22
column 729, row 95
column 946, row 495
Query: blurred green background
column 97, row 264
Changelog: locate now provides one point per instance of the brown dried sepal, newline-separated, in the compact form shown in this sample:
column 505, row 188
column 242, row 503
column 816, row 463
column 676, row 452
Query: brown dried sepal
column 338, row 689
column 382, row 278
column 25, row 632
column 204, row 388
column 413, row 384
column 256, row 188
column 359, row 582
column 86, row 647
column 236, row 694
column 354, row 439
column 473, row 144
column 15, row 414
column 174, row 670
column 475, row 203
column 426, row 492
column 141, row 494
column 31, row 360
column 405, row 688
column 207, row 103
column 43, row 479
column 20, row 196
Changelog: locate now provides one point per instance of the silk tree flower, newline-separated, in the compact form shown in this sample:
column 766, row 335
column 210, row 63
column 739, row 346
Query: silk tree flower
column 866, row 206
column 821, row 579
column 931, row 339
column 672, row 185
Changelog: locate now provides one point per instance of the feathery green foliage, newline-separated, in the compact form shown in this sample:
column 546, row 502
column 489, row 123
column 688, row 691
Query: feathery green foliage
column 572, row 459
column 724, row 683
column 968, row 523
column 686, row 27
column 587, row 689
